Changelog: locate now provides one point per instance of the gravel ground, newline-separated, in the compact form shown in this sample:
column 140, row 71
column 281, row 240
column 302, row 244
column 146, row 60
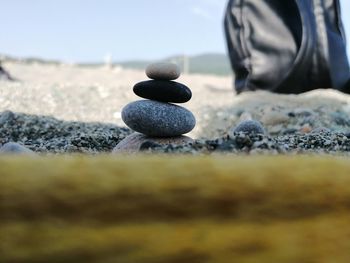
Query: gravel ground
column 44, row 134
column 66, row 108
column 241, row 143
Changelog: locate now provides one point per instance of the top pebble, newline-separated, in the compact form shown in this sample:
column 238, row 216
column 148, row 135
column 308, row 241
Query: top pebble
column 163, row 71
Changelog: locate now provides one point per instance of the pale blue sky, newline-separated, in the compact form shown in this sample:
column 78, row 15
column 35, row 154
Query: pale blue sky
column 87, row 30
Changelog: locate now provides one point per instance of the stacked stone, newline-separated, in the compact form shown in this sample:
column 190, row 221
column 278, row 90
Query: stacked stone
column 158, row 116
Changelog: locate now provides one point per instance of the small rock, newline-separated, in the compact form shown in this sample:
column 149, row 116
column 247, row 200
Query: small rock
column 6, row 116
column 320, row 130
column 162, row 90
column 340, row 118
column 306, row 128
column 290, row 131
column 15, row 148
column 303, row 112
column 327, row 143
column 249, row 127
column 137, row 142
column 158, row 119
column 163, row 71
column 276, row 129
column 274, row 118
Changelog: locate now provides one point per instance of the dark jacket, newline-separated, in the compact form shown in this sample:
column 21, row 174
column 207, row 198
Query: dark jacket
column 288, row 46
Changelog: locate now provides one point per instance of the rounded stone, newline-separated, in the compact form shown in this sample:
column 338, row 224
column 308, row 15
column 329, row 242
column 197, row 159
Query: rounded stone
column 249, row 127
column 163, row 71
column 321, row 130
column 274, row 118
column 158, row 119
column 134, row 142
column 163, row 90
column 15, row 148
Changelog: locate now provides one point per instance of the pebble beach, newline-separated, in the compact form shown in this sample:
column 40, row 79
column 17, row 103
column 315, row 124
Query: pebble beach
column 55, row 109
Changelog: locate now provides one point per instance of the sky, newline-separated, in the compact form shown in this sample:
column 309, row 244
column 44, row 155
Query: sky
column 90, row 30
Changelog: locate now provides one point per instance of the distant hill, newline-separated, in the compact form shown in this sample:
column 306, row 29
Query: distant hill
column 210, row 63
column 29, row 60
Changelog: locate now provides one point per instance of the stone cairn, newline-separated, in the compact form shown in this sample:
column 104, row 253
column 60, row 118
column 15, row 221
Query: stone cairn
column 157, row 119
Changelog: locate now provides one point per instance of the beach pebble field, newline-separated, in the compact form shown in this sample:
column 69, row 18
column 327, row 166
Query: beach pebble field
column 55, row 109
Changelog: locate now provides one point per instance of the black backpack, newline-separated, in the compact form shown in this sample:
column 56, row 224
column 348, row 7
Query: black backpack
column 287, row 46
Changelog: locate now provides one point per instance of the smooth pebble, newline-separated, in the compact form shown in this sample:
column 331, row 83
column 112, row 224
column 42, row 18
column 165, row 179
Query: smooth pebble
column 163, row 71
column 162, row 90
column 249, row 127
column 158, row 119
column 274, row 118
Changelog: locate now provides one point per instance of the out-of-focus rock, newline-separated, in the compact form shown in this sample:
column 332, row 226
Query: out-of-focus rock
column 136, row 142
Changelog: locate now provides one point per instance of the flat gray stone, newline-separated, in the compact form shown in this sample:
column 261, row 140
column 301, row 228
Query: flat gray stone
column 163, row 71
column 132, row 144
column 15, row 148
column 158, row 119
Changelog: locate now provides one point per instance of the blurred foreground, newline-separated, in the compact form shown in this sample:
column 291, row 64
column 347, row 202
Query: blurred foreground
column 217, row 209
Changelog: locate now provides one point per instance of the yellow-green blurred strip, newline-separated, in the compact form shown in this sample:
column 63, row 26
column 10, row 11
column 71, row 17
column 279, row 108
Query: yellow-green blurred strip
column 175, row 209
column 322, row 239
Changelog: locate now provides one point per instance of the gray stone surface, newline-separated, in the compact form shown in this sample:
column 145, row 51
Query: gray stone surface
column 45, row 134
column 163, row 71
column 15, row 148
column 158, row 119
column 242, row 143
column 249, row 127
column 134, row 142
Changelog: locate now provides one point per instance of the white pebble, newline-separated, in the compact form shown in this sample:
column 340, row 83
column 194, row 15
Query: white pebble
column 163, row 71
